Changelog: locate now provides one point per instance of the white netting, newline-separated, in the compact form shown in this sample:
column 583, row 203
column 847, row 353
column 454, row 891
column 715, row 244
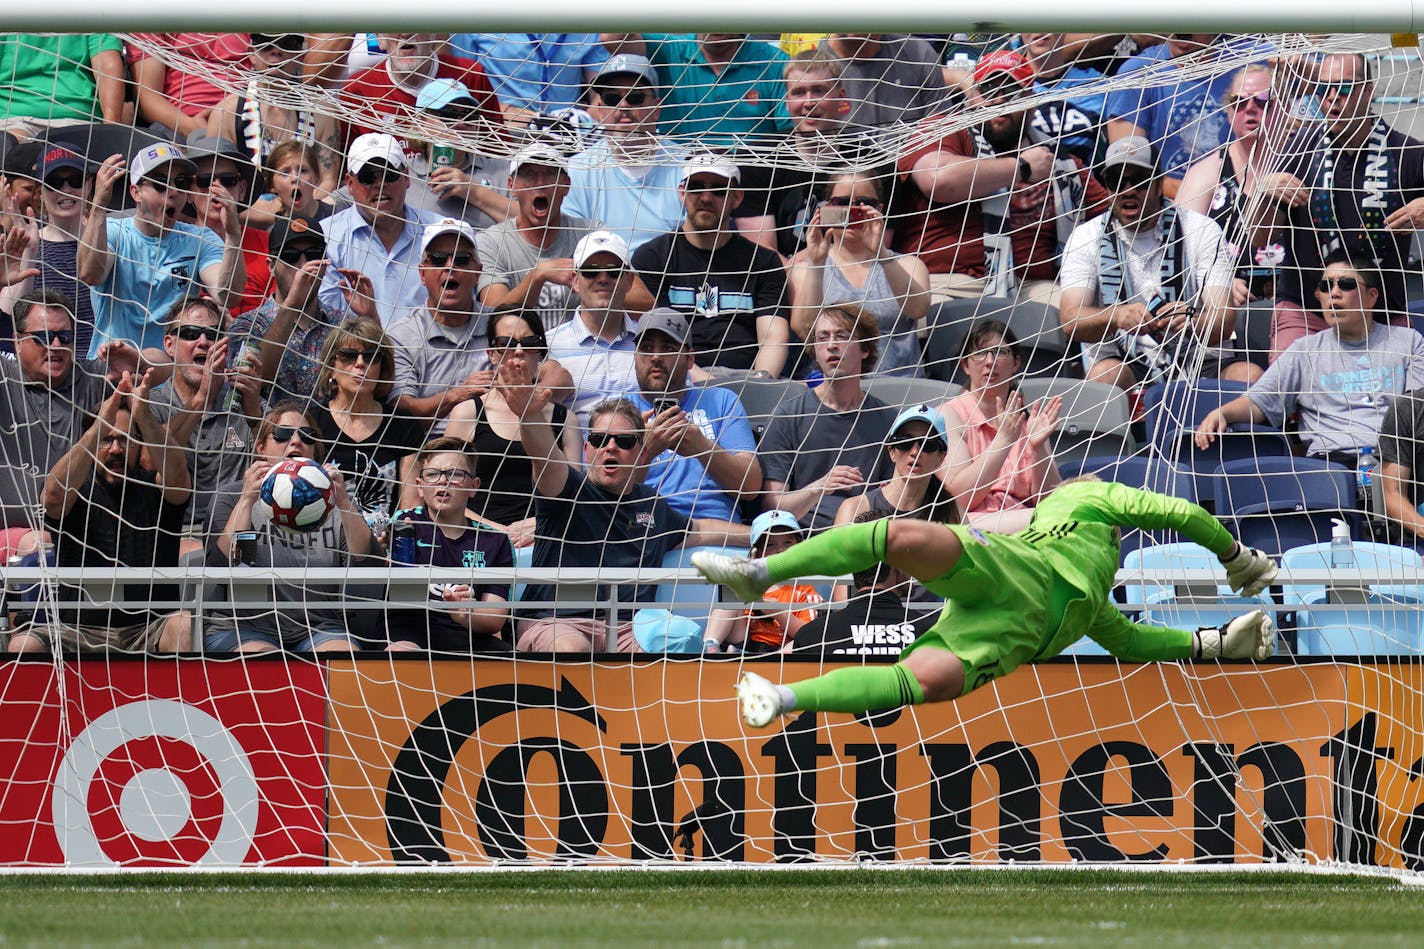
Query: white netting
column 894, row 193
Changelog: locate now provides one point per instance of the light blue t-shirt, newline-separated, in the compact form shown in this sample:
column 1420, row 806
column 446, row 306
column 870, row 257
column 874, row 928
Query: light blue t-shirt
column 149, row 275
column 637, row 209
column 684, row 482
column 540, row 71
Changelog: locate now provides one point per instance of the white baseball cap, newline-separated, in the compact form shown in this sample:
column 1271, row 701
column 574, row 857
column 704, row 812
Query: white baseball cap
column 447, row 225
column 155, row 156
column 601, row 242
column 374, row 146
column 538, row 154
column 709, row 164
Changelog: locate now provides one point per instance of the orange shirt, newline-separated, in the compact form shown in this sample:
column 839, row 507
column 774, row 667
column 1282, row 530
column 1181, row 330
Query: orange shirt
column 772, row 632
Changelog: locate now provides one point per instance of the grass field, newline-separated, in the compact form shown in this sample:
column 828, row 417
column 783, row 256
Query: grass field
column 719, row 908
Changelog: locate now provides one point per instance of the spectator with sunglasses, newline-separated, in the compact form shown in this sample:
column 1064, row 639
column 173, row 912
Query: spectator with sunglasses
column 916, row 444
column 207, row 407
column 732, row 290
column 256, row 122
column 380, row 234
column 447, row 536
column 847, row 259
column 1338, row 383
column 1000, row 457
column 308, row 620
column 138, row 267
column 447, row 178
column 225, row 173
column 291, row 327
column 369, row 437
column 628, row 180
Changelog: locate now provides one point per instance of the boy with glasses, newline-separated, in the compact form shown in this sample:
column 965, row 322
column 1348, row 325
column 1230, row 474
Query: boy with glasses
column 139, row 267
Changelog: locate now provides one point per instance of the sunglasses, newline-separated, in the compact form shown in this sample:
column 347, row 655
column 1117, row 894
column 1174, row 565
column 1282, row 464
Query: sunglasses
column 50, row 337
column 616, row 98
column 1262, row 99
column 1323, row 89
column 523, row 342
column 624, row 440
column 927, row 445
column 228, row 179
column 1126, row 184
column 594, row 271
column 60, row 179
column 182, row 183
column 377, row 174
column 191, row 331
column 462, row 259
column 845, row 201
column 285, row 433
column 351, row 355
column 286, row 42
column 703, row 185
column 455, row 476
column 301, row 253
column 1347, row 284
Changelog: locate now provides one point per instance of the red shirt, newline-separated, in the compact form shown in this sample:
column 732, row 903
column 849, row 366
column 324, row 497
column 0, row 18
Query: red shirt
column 190, row 92
column 372, row 93
column 950, row 238
column 258, row 266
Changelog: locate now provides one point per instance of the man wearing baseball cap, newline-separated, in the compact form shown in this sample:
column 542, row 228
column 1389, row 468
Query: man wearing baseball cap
column 380, row 234
column 596, row 345
column 700, row 444
column 1146, row 284
column 387, row 89
column 528, row 258
column 446, row 179
column 733, row 290
column 964, row 184
column 138, row 267
column 628, row 180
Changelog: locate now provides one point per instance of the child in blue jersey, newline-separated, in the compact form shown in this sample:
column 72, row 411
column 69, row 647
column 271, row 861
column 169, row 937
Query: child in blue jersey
column 446, row 535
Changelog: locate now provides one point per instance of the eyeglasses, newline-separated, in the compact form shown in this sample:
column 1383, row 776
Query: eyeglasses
column 1346, row 284
column 228, row 179
column 713, row 185
column 371, row 174
column 48, row 338
column 189, row 332
column 113, row 440
column 182, row 183
column 1342, row 89
column 1126, row 184
column 617, row 98
column 462, row 259
column 455, row 476
column 301, row 253
column 285, row 433
column 835, row 336
column 523, row 342
column 865, row 201
column 1262, row 99
column 993, row 352
column 624, row 440
column 927, row 445
column 351, row 355
column 594, row 271
column 61, row 179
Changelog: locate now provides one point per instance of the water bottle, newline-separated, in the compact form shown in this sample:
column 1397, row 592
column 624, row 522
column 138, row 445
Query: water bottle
column 403, row 542
column 1342, row 548
column 1365, row 476
column 245, row 356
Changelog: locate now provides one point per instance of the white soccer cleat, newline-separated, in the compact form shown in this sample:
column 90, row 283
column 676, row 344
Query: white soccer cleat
column 745, row 578
column 1252, row 636
column 759, row 699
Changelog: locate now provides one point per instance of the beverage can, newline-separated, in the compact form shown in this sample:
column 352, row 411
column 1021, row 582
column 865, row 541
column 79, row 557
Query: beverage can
column 442, row 156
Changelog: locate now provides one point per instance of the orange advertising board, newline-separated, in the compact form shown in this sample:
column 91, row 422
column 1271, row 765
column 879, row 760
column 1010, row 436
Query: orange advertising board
column 534, row 761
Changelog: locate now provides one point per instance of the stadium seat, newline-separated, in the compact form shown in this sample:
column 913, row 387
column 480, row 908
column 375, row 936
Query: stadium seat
column 1047, row 352
column 1173, row 411
column 1096, row 418
column 946, row 326
column 901, row 391
column 1376, row 618
column 1184, row 605
column 760, row 397
column 1139, row 471
column 1279, row 503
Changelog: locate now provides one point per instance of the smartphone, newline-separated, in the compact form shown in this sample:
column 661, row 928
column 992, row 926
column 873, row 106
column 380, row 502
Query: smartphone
column 662, row 405
column 835, row 215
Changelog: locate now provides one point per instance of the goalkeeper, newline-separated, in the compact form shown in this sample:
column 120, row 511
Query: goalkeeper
column 1009, row 599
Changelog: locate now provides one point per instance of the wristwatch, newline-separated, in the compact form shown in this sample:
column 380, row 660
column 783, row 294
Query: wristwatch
column 1025, row 171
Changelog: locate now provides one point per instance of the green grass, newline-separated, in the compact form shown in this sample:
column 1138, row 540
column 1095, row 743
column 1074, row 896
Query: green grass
column 719, row 908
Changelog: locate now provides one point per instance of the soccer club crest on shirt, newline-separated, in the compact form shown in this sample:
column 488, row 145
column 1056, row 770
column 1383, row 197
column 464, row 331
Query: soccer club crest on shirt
column 643, row 519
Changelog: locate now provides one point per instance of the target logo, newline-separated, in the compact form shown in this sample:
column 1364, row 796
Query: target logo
column 156, row 804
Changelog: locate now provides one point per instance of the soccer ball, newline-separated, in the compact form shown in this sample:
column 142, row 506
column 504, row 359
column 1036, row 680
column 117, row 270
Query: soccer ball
column 297, row 494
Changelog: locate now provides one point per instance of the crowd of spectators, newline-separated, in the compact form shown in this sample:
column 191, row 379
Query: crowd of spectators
column 507, row 289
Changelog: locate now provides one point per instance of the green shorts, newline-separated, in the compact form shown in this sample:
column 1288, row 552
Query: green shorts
column 1002, row 603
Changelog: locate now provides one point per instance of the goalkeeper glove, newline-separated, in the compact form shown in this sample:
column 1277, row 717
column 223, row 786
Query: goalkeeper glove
column 1252, row 636
column 1248, row 571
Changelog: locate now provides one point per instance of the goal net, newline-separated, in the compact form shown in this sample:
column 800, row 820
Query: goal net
column 368, row 394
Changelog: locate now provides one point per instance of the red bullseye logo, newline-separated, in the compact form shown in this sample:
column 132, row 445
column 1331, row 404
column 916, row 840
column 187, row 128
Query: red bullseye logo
column 155, row 782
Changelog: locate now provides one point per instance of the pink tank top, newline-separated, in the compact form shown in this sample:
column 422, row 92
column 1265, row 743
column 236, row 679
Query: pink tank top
column 1015, row 486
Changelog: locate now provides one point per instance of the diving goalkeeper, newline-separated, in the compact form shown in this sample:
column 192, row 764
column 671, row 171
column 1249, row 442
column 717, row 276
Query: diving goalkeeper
column 1009, row 599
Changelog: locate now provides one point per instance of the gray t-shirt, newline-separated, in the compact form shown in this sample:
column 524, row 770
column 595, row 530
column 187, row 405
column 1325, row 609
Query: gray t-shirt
column 902, row 82
column 1341, row 389
column 431, row 357
column 507, row 258
column 219, row 452
column 805, row 439
column 38, row 424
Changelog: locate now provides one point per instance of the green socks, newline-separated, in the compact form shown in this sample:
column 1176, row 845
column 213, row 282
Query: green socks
column 837, row 551
column 860, row 688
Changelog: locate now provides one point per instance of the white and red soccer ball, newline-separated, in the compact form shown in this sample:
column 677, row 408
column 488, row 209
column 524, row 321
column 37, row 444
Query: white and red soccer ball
column 297, row 494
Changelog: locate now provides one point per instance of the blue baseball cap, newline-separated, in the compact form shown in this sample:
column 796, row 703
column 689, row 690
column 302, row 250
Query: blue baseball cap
column 665, row 631
column 921, row 413
column 768, row 521
column 438, row 93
